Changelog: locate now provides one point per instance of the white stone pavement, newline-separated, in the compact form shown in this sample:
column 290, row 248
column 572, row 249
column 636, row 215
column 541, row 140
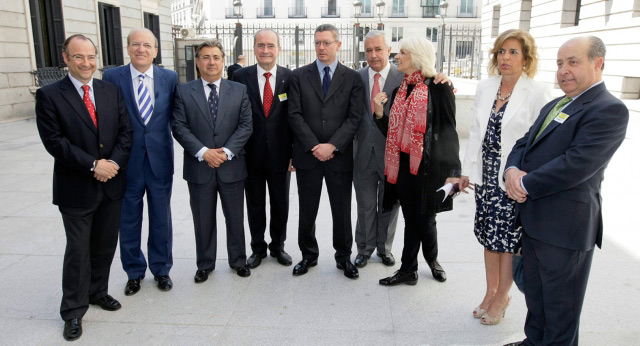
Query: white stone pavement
column 274, row 308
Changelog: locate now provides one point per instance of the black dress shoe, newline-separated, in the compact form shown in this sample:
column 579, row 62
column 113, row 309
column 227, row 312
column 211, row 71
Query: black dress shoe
column 517, row 343
column 72, row 329
column 164, row 283
column 388, row 260
column 133, row 286
column 202, row 275
column 361, row 261
column 350, row 270
column 400, row 278
column 107, row 303
column 242, row 271
column 303, row 266
column 282, row 257
column 437, row 271
column 255, row 259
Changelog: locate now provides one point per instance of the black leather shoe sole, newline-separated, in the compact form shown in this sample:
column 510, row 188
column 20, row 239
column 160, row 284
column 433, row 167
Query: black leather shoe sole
column 255, row 260
column 72, row 329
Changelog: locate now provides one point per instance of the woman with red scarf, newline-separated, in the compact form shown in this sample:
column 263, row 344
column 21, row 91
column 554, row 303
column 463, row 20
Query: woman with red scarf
column 421, row 155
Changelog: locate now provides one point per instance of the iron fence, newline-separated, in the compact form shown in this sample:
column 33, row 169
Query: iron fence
column 462, row 51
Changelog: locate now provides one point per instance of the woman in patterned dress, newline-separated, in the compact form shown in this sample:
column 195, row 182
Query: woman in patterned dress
column 505, row 107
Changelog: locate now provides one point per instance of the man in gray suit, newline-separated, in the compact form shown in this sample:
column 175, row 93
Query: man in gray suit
column 375, row 228
column 212, row 121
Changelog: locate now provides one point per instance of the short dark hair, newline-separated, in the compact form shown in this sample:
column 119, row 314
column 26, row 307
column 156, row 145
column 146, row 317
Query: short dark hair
column 596, row 49
column 65, row 45
column 210, row 43
column 328, row 27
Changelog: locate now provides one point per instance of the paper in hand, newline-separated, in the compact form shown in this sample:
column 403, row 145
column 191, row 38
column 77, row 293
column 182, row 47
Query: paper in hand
column 448, row 189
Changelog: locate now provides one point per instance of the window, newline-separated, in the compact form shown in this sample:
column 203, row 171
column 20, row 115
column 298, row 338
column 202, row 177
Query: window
column 48, row 32
column 298, row 10
column 152, row 22
column 466, row 8
column 495, row 21
column 366, row 8
column 432, row 34
column 397, row 7
column 268, row 8
column 331, row 7
column 430, row 8
column 396, row 33
column 111, row 35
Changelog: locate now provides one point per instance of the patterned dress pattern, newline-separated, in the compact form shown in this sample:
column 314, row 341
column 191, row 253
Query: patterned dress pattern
column 494, row 226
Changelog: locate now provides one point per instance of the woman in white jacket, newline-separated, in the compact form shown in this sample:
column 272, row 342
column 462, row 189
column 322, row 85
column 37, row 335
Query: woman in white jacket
column 505, row 107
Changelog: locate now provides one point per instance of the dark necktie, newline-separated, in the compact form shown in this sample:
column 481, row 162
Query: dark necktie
column 326, row 80
column 267, row 97
column 87, row 102
column 213, row 103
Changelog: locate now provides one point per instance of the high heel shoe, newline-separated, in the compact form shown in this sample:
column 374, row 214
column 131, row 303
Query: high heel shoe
column 490, row 320
column 478, row 312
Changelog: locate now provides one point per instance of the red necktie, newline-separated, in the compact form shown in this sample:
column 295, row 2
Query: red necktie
column 267, row 97
column 87, row 102
column 375, row 90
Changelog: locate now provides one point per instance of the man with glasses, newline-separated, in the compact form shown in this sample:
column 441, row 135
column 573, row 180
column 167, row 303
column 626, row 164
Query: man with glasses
column 212, row 122
column 325, row 107
column 148, row 94
column 268, row 149
column 84, row 125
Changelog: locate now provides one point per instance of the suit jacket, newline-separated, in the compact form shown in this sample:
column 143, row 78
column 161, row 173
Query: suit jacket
column 368, row 137
column 193, row 129
column 565, row 167
column 232, row 69
column 154, row 138
column 523, row 108
column 272, row 138
column 68, row 134
column 315, row 118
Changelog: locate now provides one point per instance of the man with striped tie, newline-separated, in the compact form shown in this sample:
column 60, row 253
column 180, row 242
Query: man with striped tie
column 148, row 93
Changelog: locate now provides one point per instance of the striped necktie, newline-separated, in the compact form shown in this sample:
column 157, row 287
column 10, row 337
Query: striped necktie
column 552, row 114
column 144, row 101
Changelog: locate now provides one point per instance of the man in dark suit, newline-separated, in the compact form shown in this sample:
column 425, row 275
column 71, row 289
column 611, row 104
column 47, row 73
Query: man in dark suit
column 235, row 67
column 268, row 149
column 84, row 125
column 554, row 173
column 212, row 122
column 375, row 228
column 148, row 94
column 325, row 107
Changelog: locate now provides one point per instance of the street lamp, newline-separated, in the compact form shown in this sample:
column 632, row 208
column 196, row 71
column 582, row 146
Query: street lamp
column 237, row 9
column 357, row 11
column 443, row 13
column 380, row 11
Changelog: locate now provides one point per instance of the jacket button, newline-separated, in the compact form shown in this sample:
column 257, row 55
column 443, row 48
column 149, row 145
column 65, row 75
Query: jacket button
column 101, row 145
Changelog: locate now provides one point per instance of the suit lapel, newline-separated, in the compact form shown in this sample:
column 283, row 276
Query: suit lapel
column 394, row 79
column 253, row 86
column 224, row 98
column 72, row 96
column 520, row 90
column 100, row 94
column 313, row 78
column 198, row 97
column 277, row 89
column 158, row 91
column 364, row 76
column 336, row 81
column 130, row 95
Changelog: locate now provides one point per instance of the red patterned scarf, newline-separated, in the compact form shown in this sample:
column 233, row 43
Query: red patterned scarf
column 407, row 126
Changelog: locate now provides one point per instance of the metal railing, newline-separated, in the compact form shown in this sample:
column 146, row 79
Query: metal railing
column 297, row 12
column 266, row 12
column 228, row 13
column 48, row 75
column 461, row 51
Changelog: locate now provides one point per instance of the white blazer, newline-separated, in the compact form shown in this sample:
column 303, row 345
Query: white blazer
column 524, row 106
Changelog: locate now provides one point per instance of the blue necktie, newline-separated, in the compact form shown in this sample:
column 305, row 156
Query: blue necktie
column 213, row 103
column 326, row 80
column 144, row 101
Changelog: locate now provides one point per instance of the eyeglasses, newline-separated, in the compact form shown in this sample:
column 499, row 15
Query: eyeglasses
column 137, row 45
column 80, row 58
column 326, row 43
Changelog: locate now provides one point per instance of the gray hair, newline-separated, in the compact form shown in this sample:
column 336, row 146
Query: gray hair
column 378, row 33
column 423, row 55
column 142, row 30
column 596, row 49
column 267, row 30
column 328, row 27
column 65, row 45
column 210, row 43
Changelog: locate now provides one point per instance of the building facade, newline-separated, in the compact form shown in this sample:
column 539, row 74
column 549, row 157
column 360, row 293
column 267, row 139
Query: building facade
column 32, row 33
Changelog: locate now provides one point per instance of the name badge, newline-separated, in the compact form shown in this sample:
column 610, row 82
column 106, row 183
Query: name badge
column 282, row 97
column 561, row 117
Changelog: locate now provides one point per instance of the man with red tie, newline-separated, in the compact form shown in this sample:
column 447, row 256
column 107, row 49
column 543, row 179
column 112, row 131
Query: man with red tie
column 268, row 149
column 84, row 125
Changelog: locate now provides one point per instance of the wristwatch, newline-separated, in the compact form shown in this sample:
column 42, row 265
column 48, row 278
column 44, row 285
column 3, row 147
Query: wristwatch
column 95, row 163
